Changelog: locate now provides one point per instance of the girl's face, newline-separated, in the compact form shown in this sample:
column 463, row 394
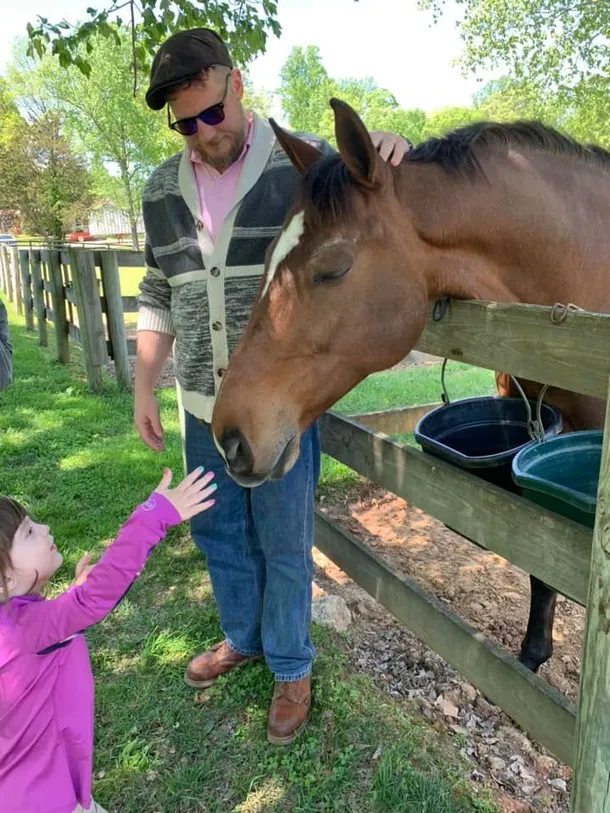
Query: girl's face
column 34, row 558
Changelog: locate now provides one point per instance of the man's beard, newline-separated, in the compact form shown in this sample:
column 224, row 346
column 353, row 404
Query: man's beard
column 222, row 162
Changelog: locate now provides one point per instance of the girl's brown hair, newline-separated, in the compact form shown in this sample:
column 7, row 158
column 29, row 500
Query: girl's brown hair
column 12, row 515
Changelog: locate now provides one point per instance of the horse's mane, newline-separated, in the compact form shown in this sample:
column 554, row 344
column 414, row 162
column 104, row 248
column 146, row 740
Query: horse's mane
column 455, row 152
column 326, row 186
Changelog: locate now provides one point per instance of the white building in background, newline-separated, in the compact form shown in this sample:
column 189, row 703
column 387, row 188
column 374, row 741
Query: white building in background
column 106, row 221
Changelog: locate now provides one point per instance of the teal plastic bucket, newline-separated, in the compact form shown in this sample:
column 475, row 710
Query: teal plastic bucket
column 562, row 474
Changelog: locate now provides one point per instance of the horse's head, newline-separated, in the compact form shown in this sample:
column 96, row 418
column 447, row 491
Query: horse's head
column 342, row 297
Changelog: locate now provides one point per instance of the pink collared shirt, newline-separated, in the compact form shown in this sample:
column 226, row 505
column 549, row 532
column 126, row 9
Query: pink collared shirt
column 217, row 190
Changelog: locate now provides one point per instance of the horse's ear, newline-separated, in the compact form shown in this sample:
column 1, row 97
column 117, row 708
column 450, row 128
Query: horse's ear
column 300, row 152
column 356, row 146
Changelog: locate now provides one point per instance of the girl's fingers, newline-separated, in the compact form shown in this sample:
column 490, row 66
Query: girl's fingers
column 165, row 480
column 204, row 481
column 189, row 479
column 195, row 497
column 195, row 488
column 195, row 501
column 197, row 509
column 193, row 477
column 83, row 568
column 82, row 563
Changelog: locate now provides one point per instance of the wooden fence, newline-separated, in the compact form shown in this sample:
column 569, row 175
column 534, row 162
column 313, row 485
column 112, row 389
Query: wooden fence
column 524, row 340
column 520, row 339
column 78, row 289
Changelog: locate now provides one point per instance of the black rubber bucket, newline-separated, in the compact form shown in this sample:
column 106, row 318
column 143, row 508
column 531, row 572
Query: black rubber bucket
column 483, row 435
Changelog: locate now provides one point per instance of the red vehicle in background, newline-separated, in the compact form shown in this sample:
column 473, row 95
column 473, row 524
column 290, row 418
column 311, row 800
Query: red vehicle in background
column 79, row 236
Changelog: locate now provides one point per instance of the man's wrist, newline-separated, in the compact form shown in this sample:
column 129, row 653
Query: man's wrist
column 143, row 391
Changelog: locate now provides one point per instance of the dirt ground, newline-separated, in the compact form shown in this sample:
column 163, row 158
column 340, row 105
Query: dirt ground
column 490, row 594
column 480, row 586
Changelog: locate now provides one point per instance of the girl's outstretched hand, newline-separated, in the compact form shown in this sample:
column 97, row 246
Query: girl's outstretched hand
column 190, row 497
column 83, row 569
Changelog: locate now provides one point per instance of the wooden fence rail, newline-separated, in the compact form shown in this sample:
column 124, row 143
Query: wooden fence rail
column 524, row 340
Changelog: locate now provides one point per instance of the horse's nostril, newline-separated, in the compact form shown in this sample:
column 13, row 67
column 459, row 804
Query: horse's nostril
column 232, row 449
column 237, row 451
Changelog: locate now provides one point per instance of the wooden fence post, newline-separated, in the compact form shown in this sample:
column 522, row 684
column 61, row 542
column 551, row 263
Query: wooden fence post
column 2, row 282
column 111, row 286
column 591, row 788
column 26, row 288
column 4, row 268
column 16, row 279
column 6, row 273
column 39, row 306
column 89, row 310
column 62, row 338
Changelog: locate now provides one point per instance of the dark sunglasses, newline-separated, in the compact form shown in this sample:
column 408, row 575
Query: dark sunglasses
column 212, row 116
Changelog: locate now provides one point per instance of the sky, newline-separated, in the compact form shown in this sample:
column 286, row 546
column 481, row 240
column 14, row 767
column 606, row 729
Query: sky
column 390, row 40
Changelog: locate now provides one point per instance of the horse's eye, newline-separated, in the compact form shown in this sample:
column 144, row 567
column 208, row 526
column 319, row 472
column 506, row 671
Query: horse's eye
column 330, row 276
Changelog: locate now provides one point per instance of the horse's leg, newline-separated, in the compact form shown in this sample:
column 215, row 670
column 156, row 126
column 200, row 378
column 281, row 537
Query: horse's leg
column 537, row 646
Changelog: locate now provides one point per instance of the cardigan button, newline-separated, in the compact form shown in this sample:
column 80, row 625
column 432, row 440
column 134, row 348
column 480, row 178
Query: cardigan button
column 215, row 272
column 217, row 326
column 221, row 371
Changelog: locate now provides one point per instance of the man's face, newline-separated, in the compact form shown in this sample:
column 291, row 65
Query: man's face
column 220, row 145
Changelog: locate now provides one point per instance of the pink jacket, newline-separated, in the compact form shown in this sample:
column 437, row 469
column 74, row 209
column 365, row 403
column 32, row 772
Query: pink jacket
column 46, row 684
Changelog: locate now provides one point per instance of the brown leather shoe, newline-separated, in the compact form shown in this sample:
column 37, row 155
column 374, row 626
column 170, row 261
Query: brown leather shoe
column 289, row 710
column 203, row 670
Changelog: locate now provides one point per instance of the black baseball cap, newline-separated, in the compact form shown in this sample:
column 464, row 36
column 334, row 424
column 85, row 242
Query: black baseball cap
column 181, row 57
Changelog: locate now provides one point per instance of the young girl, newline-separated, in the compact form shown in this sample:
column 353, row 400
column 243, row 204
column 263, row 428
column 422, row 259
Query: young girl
column 46, row 685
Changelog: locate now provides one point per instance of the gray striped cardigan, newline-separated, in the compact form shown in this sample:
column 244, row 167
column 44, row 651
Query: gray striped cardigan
column 202, row 292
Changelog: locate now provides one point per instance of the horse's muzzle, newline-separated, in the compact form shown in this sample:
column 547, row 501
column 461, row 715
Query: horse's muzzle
column 241, row 464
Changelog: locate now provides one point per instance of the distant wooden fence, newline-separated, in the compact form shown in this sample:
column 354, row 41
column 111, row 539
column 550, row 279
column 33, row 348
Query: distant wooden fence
column 78, row 289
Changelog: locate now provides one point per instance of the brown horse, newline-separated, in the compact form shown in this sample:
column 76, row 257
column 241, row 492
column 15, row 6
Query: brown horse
column 504, row 212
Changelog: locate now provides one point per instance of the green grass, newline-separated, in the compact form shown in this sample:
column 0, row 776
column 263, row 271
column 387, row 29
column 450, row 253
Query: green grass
column 415, row 385
column 77, row 464
column 130, row 280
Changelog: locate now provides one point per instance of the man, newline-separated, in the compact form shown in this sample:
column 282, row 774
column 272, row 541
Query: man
column 210, row 214
column 6, row 352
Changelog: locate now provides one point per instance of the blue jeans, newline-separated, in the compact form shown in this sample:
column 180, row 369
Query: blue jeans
column 258, row 547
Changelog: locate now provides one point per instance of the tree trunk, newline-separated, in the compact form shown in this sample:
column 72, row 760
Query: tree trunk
column 131, row 213
column 134, row 233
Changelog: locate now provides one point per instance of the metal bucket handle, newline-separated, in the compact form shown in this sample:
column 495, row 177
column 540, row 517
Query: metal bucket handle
column 535, row 427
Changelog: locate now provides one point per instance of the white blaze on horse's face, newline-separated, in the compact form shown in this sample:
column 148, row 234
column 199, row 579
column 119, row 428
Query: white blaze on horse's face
column 287, row 241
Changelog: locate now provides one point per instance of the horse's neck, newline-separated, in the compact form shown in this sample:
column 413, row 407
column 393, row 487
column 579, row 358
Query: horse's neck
column 506, row 236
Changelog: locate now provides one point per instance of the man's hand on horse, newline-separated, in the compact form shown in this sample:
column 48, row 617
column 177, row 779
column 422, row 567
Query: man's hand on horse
column 391, row 147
